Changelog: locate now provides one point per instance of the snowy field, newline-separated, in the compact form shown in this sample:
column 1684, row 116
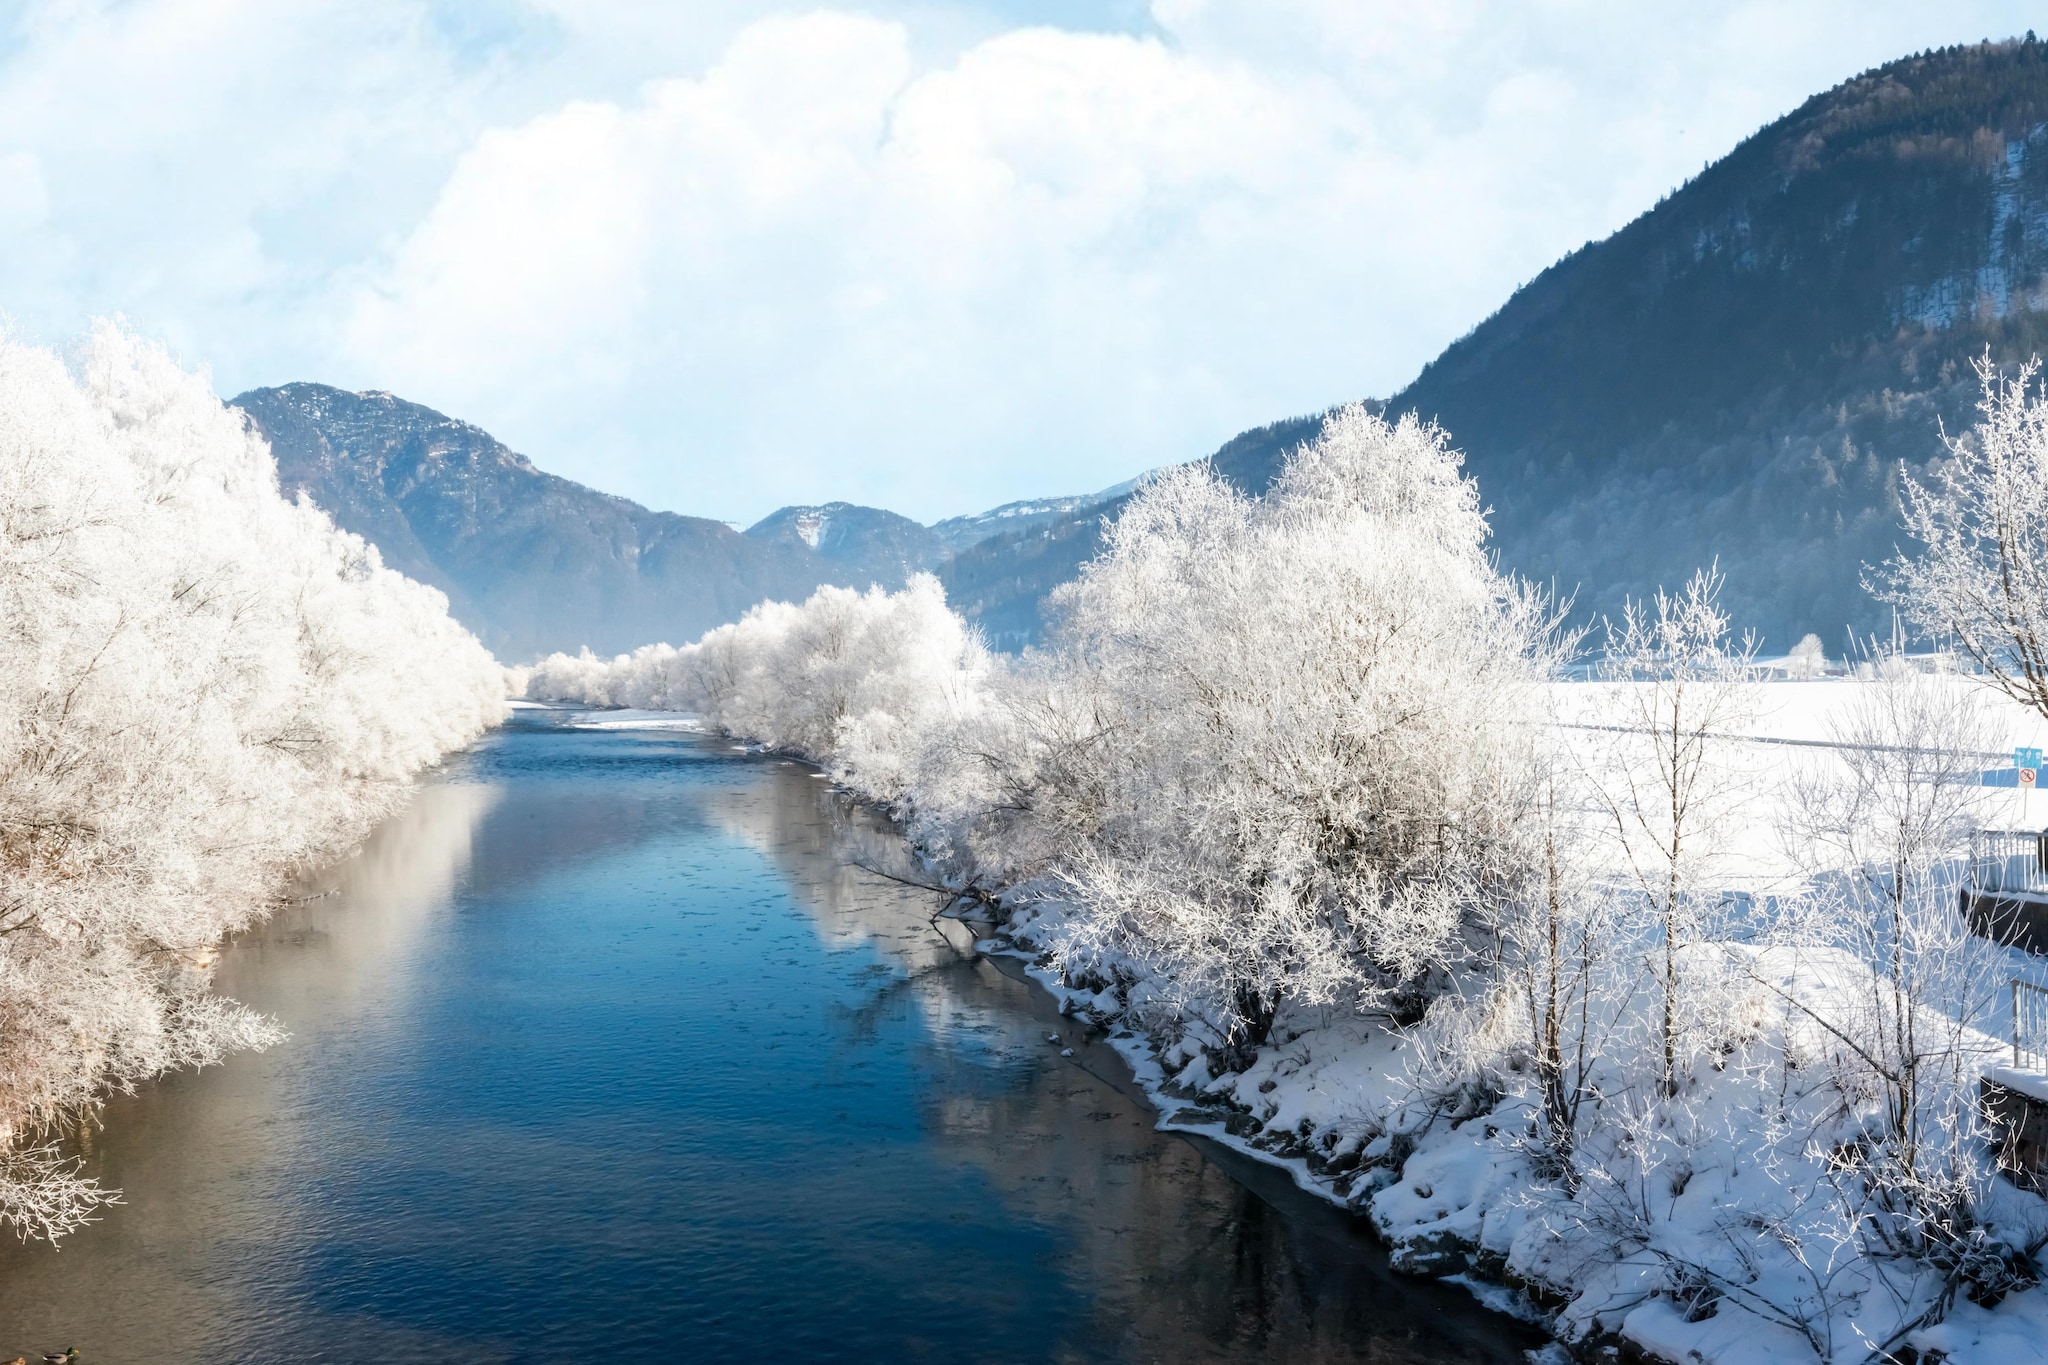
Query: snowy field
column 1797, row 729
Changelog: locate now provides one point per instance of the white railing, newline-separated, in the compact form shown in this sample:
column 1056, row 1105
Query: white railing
column 2009, row 862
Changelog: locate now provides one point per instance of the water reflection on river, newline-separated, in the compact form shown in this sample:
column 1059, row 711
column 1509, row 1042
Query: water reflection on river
column 603, row 1050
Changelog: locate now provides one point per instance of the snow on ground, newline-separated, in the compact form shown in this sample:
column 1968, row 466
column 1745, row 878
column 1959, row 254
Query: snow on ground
column 2014, row 1331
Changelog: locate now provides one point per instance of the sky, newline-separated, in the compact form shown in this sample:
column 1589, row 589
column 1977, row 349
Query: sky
column 728, row 255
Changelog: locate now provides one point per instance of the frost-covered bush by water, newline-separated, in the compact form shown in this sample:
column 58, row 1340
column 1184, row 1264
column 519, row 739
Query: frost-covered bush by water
column 1309, row 715
column 203, row 689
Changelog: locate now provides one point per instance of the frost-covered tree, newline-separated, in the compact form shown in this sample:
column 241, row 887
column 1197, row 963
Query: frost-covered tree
column 1881, row 821
column 1009, row 790
column 1299, row 708
column 203, row 687
column 1981, row 573
column 1564, row 941
column 1808, row 659
column 1678, row 684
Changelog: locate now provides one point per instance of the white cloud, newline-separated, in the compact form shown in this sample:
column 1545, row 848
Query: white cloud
column 735, row 258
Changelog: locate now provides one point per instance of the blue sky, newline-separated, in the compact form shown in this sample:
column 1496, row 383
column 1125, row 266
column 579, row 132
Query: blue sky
column 724, row 256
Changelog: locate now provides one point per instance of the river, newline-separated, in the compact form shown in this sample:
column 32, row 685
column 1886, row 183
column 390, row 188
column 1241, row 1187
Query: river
column 602, row 1050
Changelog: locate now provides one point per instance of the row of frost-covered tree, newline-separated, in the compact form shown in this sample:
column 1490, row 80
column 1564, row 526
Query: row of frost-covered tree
column 1295, row 792
column 204, row 689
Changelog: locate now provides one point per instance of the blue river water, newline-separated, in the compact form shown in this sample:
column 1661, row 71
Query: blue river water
column 604, row 1051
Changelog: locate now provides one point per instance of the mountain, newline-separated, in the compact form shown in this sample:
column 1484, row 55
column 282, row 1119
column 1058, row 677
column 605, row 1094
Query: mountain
column 999, row 585
column 866, row 544
column 1741, row 373
column 1746, row 370
column 529, row 561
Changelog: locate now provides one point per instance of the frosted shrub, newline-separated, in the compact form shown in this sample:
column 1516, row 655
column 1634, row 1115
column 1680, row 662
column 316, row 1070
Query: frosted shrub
column 1566, row 953
column 582, row 677
column 1304, row 708
column 1808, row 659
column 1834, row 1051
column 202, row 688
column 1912, row 1023
column 1007, row 793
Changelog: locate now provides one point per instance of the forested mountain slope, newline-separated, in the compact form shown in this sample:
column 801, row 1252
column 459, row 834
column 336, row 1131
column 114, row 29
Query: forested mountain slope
column 1741, row 372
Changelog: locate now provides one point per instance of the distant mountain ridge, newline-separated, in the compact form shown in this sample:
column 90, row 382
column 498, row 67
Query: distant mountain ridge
column 959, row 533
column 530, row 562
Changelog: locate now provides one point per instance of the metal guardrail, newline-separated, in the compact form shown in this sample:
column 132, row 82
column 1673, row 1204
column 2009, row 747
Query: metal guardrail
column 2029, row 1026
column 2008, row 862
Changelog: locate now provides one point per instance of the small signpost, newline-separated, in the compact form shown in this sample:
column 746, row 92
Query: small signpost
column 2028, row 761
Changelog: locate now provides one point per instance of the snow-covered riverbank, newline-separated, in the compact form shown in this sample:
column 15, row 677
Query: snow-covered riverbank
column 1454, row 1193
